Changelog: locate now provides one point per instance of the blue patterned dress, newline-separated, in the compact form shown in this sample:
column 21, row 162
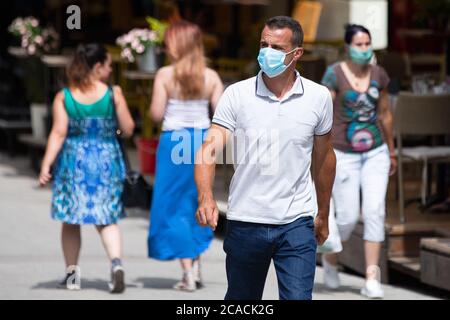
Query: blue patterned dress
column 89, row 172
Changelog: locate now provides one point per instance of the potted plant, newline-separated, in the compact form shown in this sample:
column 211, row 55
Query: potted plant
column 34, row 41
column 144, row 45
column 147, row 143
column 146, row 147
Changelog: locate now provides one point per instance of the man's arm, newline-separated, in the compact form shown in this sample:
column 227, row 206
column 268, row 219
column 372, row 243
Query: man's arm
column 324, row 168
column 205, row 166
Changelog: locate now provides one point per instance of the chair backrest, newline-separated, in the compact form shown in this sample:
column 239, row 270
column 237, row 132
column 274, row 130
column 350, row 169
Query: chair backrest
column 308, row 14
column 422, row 114
column 423, row 62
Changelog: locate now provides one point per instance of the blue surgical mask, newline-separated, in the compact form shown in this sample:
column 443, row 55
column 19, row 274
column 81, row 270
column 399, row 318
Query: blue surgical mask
column 271, row 61
column 360, row 57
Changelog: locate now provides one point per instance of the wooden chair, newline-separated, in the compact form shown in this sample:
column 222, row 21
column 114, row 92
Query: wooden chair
column 416, row 63
column 308, row 14
column 419, row 58
column 427, row 115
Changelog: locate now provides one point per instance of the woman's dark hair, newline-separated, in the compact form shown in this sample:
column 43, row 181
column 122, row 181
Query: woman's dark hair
column 84, row 60
column 352, row 29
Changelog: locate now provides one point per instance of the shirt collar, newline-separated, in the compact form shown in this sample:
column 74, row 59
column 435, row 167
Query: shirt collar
column 263, row 91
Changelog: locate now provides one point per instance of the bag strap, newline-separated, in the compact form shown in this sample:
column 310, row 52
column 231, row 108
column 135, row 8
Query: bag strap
column 118, row 132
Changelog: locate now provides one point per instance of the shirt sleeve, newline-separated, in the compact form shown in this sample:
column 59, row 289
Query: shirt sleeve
column 225, row 114
column 325, row 122
column 329, row 79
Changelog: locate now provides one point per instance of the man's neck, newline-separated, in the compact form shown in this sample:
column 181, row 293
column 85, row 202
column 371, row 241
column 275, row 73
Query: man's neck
column 280, row 85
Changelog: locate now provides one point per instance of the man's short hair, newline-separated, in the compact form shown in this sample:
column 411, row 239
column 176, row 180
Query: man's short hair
column 281, row 22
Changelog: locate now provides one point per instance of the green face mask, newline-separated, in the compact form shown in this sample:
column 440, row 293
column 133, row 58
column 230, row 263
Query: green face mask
column 360, row 57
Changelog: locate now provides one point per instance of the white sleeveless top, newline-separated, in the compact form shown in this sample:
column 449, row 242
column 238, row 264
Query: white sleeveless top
column 186, row 114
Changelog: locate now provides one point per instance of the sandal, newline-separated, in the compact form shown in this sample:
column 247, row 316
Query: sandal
column 197, row 274
column 187, row 283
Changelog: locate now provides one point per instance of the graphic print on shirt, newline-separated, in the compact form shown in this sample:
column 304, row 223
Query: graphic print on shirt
column 360, row 110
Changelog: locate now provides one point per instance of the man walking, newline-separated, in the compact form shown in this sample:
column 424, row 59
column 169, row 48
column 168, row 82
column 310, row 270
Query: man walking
column 280, row 123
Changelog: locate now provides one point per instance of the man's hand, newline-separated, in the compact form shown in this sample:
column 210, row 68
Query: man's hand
column 207, row 213
column 321, row 229
column 205, row 165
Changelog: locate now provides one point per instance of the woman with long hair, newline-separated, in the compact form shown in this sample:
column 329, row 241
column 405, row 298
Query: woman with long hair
column 182, row 94
column 365, row 154
column 89, row 170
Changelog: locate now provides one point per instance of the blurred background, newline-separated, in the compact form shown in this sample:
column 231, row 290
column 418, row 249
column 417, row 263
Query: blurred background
column 410, row 37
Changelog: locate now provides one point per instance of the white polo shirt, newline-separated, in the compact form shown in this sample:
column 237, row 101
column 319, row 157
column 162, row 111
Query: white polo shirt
column 272, row 144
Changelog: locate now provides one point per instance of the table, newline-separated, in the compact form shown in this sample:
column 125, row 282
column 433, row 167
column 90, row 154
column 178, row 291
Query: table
column 54, row 79
column 139, row 75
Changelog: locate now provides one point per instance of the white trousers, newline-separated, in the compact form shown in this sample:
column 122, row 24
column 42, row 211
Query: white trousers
column 358, row 173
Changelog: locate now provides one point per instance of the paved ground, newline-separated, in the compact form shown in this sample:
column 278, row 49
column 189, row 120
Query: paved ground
column 31, row 260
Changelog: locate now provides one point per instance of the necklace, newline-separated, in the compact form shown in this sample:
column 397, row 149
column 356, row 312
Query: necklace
column 358, row 82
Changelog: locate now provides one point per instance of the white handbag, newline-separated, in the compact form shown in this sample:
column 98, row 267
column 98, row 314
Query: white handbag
column 333, row 243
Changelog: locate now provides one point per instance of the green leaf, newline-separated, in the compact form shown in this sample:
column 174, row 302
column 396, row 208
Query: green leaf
column 158, row 26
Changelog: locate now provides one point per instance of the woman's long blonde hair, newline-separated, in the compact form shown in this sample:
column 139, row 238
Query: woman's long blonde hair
column 185, row 45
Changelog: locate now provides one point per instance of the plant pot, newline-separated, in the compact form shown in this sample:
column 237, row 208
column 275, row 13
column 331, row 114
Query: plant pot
column 39, row 114
column 148, row 62
column 147, row 154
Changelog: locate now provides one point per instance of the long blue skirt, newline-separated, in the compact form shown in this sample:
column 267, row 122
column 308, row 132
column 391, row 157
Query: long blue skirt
column 174, row 232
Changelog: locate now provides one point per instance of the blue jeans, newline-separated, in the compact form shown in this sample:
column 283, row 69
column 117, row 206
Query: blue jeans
column 250, row 247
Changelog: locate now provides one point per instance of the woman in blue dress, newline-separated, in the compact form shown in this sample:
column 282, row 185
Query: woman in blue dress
column 182, row 94
column 88, row 167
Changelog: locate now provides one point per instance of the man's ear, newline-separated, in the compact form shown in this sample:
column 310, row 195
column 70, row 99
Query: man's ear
column 298, row 53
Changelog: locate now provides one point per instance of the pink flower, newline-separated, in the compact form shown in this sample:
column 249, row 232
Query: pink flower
column 127, row 54
column 128, row 38
column 34, row 23
column 22, row 29
column 31, row 49
column 120, row 41
column 39, row 40
column 135, row 44
column 140, row 49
